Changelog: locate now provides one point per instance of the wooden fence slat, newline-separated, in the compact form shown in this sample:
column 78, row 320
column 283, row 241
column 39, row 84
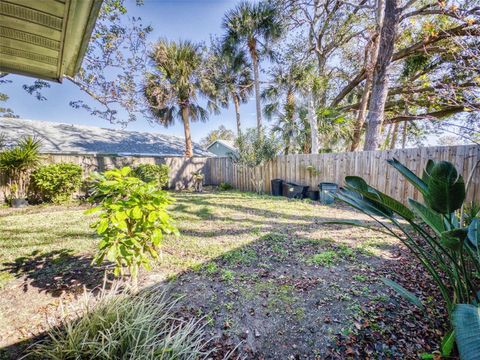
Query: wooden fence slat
column 371, row 165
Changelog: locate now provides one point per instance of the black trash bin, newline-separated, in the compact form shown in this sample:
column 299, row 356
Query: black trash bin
column 294, row 191
column 327, row 190
column 277, row 187
column 313, row 195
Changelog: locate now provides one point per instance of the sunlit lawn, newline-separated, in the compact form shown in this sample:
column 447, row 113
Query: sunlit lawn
column 244, row 242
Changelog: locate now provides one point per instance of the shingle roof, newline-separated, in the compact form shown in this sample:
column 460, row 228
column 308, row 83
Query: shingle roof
column 229, row 144
column 68, row 138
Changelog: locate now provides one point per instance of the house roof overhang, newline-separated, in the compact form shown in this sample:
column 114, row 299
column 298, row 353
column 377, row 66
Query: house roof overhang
column 46, row 39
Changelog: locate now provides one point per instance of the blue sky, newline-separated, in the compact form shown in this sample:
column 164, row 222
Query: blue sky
column 173, row 19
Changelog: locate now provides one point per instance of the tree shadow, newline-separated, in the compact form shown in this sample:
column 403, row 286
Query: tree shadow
column 260, row 299
column 57, row 271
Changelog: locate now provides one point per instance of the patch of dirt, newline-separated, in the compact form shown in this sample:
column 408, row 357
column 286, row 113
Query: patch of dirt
column 299, row 289
column 282, row 307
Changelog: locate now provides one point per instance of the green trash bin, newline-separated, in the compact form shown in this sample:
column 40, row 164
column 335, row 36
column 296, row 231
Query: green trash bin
column 327, row 192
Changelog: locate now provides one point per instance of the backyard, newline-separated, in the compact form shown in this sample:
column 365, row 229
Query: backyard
column 265, row 275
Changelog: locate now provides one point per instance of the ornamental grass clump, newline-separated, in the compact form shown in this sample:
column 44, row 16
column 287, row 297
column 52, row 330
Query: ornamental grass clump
column 17, row 163
column 133, row 220
column 121, row 325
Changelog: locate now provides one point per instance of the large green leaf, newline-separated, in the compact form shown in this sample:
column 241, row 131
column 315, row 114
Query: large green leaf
column 430, row 217
column 404, row 292
column 357, row 224
column 426, row 172
column 359, row 185
column 454, row 239
column 448, row 343
column 474, row 232
column 466, row 320
column 356, row 200
column 446, row 188
column 410, row 176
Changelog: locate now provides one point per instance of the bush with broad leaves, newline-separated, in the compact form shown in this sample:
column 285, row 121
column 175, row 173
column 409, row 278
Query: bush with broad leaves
column 133, row 220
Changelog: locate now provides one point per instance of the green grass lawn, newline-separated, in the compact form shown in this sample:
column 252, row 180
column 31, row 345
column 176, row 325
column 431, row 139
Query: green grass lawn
column 210, row 224
column 254, row 265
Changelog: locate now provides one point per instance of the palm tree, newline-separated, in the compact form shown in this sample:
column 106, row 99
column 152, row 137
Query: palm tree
column 172, row 90
column 253, row 26
column 285, row 83
column 232, row 77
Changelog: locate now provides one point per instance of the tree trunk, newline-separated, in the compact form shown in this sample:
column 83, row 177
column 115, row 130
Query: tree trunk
column 236, row 102
column 376, row 107
column 186, row 128
column 370, row 60
column 404, row 137
column 386, row 142
column 393, row 142
column 252, row 45
column 312, row 119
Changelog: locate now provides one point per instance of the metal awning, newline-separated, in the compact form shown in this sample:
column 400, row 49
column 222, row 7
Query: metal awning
column 45, row 38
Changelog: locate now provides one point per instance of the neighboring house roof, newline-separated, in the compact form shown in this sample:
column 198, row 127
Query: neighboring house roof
column 45, row 39
column 227, row 143
column 81, row 139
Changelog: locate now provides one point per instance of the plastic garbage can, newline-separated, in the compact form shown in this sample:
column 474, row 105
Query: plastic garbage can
column 327, row 190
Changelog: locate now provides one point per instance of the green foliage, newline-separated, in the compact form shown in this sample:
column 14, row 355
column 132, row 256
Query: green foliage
column 133, row 219
column 172, row 90
column 225, row 186
column 18, row 162
column 449, row 251
column 404, row 292
column 57, row 182
column 471, row 211
column 325, row 258
column 155, row 173
column 254, row 149
column 222, row 133
column 466, row 319
column 124, row 326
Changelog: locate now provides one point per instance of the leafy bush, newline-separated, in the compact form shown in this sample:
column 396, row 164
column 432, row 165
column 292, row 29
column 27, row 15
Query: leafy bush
column 225, row 186
column 254, row 149
column 57, row 182
column 153, row 173
column 133, row 219
column 447, row 248
column 124, row 326
column 18, row 162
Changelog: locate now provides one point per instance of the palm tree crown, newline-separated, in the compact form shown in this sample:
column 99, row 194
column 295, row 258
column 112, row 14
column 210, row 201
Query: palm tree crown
column 253, row 26
column 286, row 83
column 232, row 77
column 172, row 90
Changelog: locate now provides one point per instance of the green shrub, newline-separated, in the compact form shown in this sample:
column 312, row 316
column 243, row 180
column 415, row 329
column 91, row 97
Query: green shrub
column 17, row 163
column 153, row 173
column 224, row 186
column 124, row 326
column 57, row 182
column 133, row 219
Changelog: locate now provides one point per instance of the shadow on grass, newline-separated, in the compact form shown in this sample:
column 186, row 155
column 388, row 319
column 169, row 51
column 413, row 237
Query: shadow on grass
column 265, row 296
column 56, row 271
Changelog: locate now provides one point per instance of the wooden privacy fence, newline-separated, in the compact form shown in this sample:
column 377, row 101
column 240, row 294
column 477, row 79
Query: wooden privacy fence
column 333, row 167
column 180, row 176
column 301, row 169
